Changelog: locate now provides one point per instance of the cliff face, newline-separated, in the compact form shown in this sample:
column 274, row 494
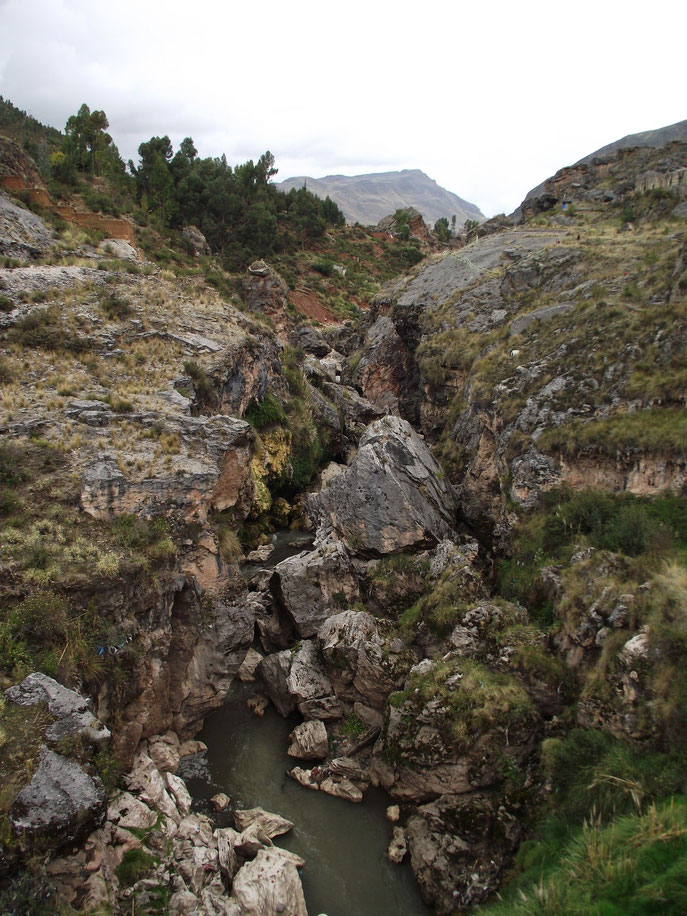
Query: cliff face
column 544, row 352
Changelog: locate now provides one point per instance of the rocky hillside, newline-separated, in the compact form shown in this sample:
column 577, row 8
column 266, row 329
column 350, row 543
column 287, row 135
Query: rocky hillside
column 489, row 622
column 367, row 199
column 652, row 138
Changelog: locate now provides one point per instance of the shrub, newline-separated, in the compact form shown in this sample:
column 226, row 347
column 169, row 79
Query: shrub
column 135, row 864
column 206, row 394
column 41, row 330
column 265, row 412
column 116, row 307
column 324, row 266
column 119, row 405
column 352, row 726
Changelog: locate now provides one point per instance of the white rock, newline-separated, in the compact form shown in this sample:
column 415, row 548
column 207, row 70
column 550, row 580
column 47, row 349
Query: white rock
column 269, row 884
column 309, row 741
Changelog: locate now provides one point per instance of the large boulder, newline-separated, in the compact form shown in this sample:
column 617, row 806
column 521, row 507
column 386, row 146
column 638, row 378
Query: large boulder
column 60, row 804
column 72, row 716
column 269, row 884
column 310, row 585
column 459, row 847
column 392, row 498
column 270, row 824
column 298, row 679
column 273, row 671
column 309, row 741
column 361, row 668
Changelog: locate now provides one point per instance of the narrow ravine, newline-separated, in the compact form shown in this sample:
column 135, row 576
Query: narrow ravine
column 343, row 844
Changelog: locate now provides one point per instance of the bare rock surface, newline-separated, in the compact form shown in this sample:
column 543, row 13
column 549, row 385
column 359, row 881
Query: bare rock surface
column 218, row 477
column 308, row 678
column 59, row 805
column 269, row 884
column 458, row 848
column 386, row 372
column 398, row 847
column 393, row 496
column 309, row 741
column 273, row 671
column 270, row 824
column 309, row 584
column 23, row 234
column 353, row 645
column 41, row 279
column 70, row 709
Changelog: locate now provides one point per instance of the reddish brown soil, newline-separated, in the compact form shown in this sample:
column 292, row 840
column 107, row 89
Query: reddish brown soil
column 307, row 303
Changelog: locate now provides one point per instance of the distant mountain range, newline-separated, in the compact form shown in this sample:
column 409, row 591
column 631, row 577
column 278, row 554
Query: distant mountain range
column 367, row 199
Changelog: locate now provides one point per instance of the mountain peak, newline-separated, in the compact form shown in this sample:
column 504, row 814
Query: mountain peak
column 368, row 198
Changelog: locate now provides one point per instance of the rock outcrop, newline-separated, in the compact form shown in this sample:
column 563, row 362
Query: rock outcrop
column 73, row 718
column 387, row 373
column 23, row 234
column 313, row 585
column 459, row 847
column 60, row 804
column 218, row 478
column 392, row 497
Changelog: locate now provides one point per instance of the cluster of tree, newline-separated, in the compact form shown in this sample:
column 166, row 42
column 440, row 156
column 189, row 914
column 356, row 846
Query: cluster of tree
column 241, row 214
column 86, row 148
column 37, row 139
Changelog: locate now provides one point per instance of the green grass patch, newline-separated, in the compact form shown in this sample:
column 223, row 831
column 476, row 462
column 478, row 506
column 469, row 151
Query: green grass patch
column 265, row 412
column 635, row 526
column 657, row 431
column 613, row 837
column 136, row 864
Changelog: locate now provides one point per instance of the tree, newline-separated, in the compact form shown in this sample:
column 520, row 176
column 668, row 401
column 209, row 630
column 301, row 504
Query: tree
column 265, row 169
column 331, row 212
column 150, row 179
column 442, row 230
column 86, row 141
column 183, row 160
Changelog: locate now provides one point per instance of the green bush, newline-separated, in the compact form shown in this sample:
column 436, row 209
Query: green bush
column 206, row 393
column 635, row 865
column 323, row 266
column 136, row 864
column 116, row 307
column 634, row 526
column 613, row 837
column 265, row 412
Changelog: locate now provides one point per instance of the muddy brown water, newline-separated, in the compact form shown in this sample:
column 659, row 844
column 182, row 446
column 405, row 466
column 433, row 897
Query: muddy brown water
column 343, row 844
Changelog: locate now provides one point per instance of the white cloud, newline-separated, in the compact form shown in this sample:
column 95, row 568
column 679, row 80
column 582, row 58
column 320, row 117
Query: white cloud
column 488, row 101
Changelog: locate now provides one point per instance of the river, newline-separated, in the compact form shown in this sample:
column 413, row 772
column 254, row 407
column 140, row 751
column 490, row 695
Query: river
column 343, row 844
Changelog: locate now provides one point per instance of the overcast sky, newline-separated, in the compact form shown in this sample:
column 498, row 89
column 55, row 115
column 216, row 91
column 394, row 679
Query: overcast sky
column 489, row 101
